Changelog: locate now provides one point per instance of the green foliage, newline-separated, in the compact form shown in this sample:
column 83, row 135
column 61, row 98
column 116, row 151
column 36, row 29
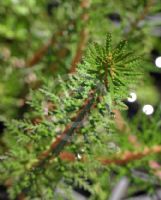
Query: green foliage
column 116, row 68
column 28, row 140
column 81, row 105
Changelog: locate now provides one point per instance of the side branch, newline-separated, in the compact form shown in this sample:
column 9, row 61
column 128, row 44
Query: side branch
column 124, row 158
column 128, row 156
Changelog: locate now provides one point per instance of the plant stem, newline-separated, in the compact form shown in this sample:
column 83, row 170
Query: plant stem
column 85, row 4
column 122, row 158
column 38, row 55
column 57, row 146
column 141, row 17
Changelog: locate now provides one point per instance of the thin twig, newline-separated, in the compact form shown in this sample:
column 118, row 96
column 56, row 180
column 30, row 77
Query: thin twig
column 141, row 17
column 85, row 4
column 128, row 156
column 57, row 146
column 121, row 158
column 37, row 57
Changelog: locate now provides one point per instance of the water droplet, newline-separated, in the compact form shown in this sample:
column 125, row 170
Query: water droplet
column 148, row 109
column 132, row 97
column 79, row 156
column 158, row 62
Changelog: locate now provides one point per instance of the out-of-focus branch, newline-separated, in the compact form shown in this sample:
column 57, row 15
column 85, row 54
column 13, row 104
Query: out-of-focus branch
column 83, row 38
column 143, row 14
column 123, row 127
column 129, row 156
column 39, row 54
column 21, row 197
column 120, row 122
column 36, row 58
column 141, row 17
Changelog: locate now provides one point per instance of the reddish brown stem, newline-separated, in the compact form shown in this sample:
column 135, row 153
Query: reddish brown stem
column 41, row 52
column 21, row 197
column 79, row 51
column 37, row 57
column 140, row 17
column 128, row 156
column 85, row 4
column 57, row 146
column 123, row 158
